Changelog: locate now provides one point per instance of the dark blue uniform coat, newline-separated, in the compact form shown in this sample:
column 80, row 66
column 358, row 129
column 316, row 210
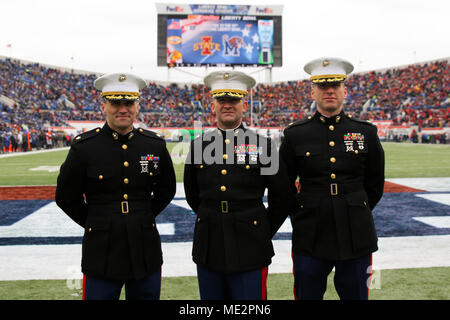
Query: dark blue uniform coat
column 340, row 165
column 114, row 186
column 233, row 230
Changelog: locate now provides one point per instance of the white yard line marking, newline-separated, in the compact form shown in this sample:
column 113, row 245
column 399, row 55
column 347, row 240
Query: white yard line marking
column 51, row 221
column 63, row 261
column 436, row 221
column 427, row 184
column 442, row 198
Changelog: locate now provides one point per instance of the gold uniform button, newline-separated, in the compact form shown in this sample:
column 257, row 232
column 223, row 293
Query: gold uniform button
column 125, row 196
column 227, row 141
column 124, row 147
column 151, row 174
column 100, row 177
column 309, row 117
column 98, row 130
column 201, row 166
column 198, row 219
column 247, row 167
column 333, row 159
column 126, row 164
column 356, row 151
column 141, row 130
column 225, row 157
column 224, row 172
column 255, row 223
column 90, row 229
column 365, row 203
column 331, row 127
column 125, row 181
column 331, row 143
column 333, row 176
column 223, row 188
column 308, row 154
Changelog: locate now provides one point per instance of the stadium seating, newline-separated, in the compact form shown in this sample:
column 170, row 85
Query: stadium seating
column 34, row 97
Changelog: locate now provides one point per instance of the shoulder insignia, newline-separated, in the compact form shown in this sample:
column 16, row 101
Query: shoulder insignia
column 350, row 117
column 299, row 122
column 250, row 131
column 208, row 133
column 150, row 134
column 86, row 135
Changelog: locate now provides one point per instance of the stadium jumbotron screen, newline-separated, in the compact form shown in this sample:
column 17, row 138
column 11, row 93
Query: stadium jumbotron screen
column 219, row 35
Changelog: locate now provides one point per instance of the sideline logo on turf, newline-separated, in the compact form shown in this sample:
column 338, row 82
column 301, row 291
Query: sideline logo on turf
column 74, row 281
column 374, row 279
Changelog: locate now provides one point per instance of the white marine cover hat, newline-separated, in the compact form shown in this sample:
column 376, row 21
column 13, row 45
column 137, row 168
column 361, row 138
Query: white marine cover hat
column 232, row 84
column 120, row 86
column 328, row 69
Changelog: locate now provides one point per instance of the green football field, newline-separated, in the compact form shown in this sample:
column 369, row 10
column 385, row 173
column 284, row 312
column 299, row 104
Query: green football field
column 403, row 160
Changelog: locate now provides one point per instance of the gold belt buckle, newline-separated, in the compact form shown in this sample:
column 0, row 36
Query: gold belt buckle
column 334, row 189
column 124, row 207
column 224, row 206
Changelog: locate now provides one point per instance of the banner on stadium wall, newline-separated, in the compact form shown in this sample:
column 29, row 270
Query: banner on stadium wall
column 183, row 134
column 382, row 126
column 187, row 134
column 170, row 134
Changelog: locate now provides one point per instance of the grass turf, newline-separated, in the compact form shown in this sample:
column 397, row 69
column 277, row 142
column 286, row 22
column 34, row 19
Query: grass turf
column 396, row 284
column 403, row 160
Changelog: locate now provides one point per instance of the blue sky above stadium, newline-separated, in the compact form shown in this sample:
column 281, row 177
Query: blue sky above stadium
column 113, row 36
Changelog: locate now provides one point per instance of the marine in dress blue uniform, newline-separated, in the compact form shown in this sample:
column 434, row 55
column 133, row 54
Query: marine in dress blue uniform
column 114, row 182
column 339, row 162
column 232, row 237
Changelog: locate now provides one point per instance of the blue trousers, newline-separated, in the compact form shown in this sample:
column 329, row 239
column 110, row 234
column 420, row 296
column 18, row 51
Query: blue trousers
column 351, row 278
column 248, row 285
column 148, row 288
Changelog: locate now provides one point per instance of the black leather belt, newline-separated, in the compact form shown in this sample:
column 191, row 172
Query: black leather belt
column 332, row 189
column 119, row 207
column 226, row 206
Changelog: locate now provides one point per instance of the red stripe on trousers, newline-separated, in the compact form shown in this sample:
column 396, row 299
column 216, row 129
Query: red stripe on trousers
column 84, row 287
column 264, row 283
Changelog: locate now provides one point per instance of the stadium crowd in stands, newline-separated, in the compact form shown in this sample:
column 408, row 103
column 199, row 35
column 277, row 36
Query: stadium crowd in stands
column 34, row 98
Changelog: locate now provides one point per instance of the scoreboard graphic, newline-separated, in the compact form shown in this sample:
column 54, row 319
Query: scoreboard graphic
column 216, row 35
column 208, row 40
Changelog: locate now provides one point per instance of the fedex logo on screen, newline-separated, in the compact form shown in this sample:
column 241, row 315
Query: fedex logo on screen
column 263, row 10
column 174, row 9
column 207, row 46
